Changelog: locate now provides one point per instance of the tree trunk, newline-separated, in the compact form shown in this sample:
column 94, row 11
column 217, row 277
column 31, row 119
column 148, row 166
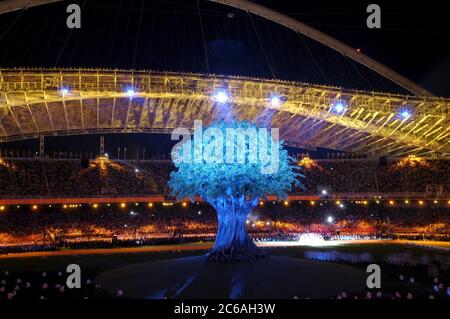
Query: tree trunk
column 233, row 242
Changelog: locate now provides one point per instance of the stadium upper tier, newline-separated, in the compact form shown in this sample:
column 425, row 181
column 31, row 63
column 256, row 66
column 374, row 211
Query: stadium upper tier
column 37, row 102
column 55, row 178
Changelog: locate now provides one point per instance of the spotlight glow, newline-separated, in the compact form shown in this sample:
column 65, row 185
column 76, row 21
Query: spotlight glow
column 275, row 101
column 64, row 91
column 330, row 219
column 311, row 239
column 130, row 92
column 339, row 107
column 405, row 114
column 221, row 97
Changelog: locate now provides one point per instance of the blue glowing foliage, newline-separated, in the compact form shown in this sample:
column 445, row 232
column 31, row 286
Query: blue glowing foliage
column 235, row 179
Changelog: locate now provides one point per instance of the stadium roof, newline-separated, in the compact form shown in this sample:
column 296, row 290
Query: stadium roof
column 37, row 102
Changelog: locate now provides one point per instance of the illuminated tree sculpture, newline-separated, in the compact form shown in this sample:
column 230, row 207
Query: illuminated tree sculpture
column 231, row 166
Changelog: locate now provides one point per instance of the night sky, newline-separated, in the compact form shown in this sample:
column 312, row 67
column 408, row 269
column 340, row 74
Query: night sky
column 167, row 35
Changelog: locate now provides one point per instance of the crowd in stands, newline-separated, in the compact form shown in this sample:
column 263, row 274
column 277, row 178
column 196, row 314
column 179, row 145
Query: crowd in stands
column 40, row 178
column 54, row 177
column 137, row 224
column 37, row 178
column 365, row 176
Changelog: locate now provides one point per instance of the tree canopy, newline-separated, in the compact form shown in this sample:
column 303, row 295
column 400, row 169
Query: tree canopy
column 243, row 176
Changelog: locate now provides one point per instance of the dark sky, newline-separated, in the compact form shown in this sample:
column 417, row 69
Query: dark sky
column 166, row 35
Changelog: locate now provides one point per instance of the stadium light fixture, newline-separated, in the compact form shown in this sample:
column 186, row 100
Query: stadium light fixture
column 339, row 106
column 221, row 96
column 405, row 114
column 324, row 192
column 130, row 92
column 275, row 100
column 330, row 219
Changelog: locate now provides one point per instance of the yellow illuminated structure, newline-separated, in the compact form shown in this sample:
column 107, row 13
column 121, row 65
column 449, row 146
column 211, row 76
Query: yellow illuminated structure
column 37, row 102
